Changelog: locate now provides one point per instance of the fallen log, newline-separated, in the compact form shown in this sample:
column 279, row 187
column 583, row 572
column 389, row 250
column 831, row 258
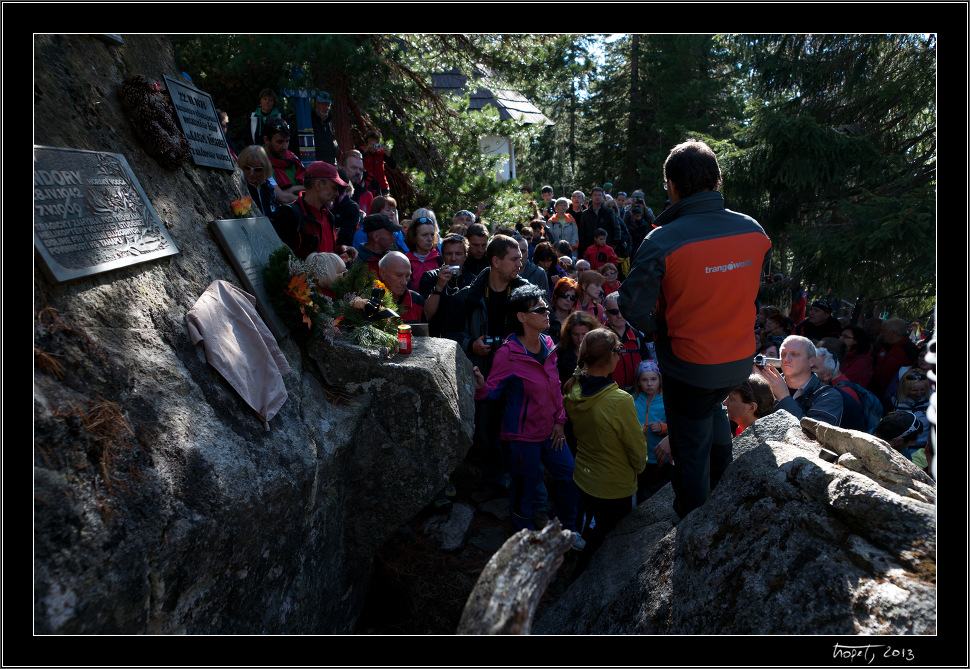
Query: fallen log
column 508, row 590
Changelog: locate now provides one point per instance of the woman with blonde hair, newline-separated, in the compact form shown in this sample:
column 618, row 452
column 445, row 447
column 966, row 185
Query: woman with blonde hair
column 611, row 448
column 258, row 173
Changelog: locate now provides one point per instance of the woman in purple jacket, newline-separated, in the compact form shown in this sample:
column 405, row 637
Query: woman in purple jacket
column 524, row 367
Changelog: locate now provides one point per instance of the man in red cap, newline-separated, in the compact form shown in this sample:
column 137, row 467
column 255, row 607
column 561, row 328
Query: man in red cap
column 306, row 225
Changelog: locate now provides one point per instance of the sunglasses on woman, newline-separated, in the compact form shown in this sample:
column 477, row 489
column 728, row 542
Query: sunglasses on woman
column 571, row 298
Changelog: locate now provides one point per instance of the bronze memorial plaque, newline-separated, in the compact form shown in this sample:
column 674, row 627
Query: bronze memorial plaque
column 197, row 116
column 91, row 215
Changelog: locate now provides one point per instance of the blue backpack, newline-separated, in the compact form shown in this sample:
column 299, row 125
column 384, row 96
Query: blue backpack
column 871, row 406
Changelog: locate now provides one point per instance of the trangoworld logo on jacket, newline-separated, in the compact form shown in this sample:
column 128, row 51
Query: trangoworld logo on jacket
column 729, row 266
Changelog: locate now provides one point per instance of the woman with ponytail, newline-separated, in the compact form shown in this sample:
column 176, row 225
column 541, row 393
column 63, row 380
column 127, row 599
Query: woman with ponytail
column 611, row 448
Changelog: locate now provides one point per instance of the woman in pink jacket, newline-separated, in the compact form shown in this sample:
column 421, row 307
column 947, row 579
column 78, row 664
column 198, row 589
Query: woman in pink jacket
column 524, row 367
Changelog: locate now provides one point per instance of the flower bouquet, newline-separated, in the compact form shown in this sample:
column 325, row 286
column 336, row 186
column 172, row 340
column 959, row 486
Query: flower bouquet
column 360, row 308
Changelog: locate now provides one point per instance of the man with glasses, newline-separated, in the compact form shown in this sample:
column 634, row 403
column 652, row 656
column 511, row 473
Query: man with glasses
column 634, row 347
column 819, row 322
column 693, row 285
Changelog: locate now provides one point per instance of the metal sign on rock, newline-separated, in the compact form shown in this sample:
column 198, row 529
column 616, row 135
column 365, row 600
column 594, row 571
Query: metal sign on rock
column 197, row 115
column 91, row 214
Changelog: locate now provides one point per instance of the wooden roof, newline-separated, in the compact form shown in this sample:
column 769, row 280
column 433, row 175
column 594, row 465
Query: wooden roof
column 511, row 105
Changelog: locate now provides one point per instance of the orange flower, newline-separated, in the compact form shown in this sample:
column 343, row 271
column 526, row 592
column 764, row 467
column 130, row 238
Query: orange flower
column 299, row 289
column 242, row 207
column 378, row 284
column 306, row 319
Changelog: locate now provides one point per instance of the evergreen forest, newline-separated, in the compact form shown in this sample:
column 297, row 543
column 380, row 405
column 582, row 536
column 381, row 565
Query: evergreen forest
column 828, row 140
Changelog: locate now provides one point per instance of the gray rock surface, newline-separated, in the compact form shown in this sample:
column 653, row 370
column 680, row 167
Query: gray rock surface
column 161, row 505
column 787, row 544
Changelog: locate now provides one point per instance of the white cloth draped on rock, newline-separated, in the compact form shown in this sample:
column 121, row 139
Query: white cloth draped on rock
column 239, row 346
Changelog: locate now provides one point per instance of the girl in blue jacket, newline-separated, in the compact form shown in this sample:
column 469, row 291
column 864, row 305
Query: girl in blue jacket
column 649, row 401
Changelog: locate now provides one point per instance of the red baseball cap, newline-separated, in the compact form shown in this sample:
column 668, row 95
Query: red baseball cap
column 320, row 169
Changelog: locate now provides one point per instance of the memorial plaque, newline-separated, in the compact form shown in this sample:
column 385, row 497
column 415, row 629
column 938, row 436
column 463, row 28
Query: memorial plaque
column 91, row 215
column 197, row 116
column 249, row 242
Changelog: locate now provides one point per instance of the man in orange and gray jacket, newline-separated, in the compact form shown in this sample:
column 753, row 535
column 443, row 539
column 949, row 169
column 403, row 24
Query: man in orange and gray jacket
column 693, row 283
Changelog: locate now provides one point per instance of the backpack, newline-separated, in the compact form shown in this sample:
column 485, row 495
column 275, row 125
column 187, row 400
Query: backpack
column 871, row 406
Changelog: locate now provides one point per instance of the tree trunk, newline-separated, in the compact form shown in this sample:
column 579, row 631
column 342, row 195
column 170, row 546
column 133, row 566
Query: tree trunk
column 342, row 108
column 508, row 590
column 630, row 164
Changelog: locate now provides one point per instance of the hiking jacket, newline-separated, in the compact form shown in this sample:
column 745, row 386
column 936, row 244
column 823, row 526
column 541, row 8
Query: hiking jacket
column 304, row 229
column 694, row 282
column 533, row 398
column 419, row 267
column 816, row 400
column 597, row 256
column 467, row 319
column 288, row 170
column 567, row 230
column 651, row 410
column 610, row 447
column 635, row 351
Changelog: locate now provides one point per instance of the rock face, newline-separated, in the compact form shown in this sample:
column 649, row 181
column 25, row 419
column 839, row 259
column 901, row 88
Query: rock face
column 161, row 505
column 787, row 544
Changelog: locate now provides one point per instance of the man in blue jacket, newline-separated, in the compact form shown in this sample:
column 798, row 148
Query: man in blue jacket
column 798, row 390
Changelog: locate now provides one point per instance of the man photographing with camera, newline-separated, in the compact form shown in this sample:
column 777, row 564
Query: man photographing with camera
column 485, row 308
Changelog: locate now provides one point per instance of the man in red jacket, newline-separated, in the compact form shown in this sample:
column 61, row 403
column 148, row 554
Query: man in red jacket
column 694, row 283
column 288, row 171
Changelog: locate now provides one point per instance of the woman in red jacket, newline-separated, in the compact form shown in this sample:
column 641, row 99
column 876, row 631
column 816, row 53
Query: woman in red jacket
column 422, row 240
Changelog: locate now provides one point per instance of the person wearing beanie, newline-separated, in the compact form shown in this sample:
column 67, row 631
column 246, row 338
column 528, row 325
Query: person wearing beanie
column 819, row 322
column 649, row 401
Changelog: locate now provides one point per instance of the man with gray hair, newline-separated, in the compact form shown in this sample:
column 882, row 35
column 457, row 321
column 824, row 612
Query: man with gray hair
column 798, row 390
column 395, row 274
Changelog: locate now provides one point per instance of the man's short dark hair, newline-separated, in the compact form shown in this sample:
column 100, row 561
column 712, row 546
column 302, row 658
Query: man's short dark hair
column 276, row 126
column 477, row 230
column 499, row 247
column 597, row 188
column 454, row 239
column 600, row 232
column 523, row 298
column 372, row 134
column 693, row 168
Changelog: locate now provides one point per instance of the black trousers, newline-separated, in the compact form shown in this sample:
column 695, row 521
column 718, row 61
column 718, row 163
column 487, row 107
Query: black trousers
column 700, row 441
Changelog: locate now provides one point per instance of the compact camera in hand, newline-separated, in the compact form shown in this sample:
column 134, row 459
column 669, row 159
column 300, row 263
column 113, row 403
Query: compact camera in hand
column 492, row 342
column 455, row 270
column 762, row 361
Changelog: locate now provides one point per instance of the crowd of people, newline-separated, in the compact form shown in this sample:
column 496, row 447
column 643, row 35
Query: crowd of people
column 613, row 349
